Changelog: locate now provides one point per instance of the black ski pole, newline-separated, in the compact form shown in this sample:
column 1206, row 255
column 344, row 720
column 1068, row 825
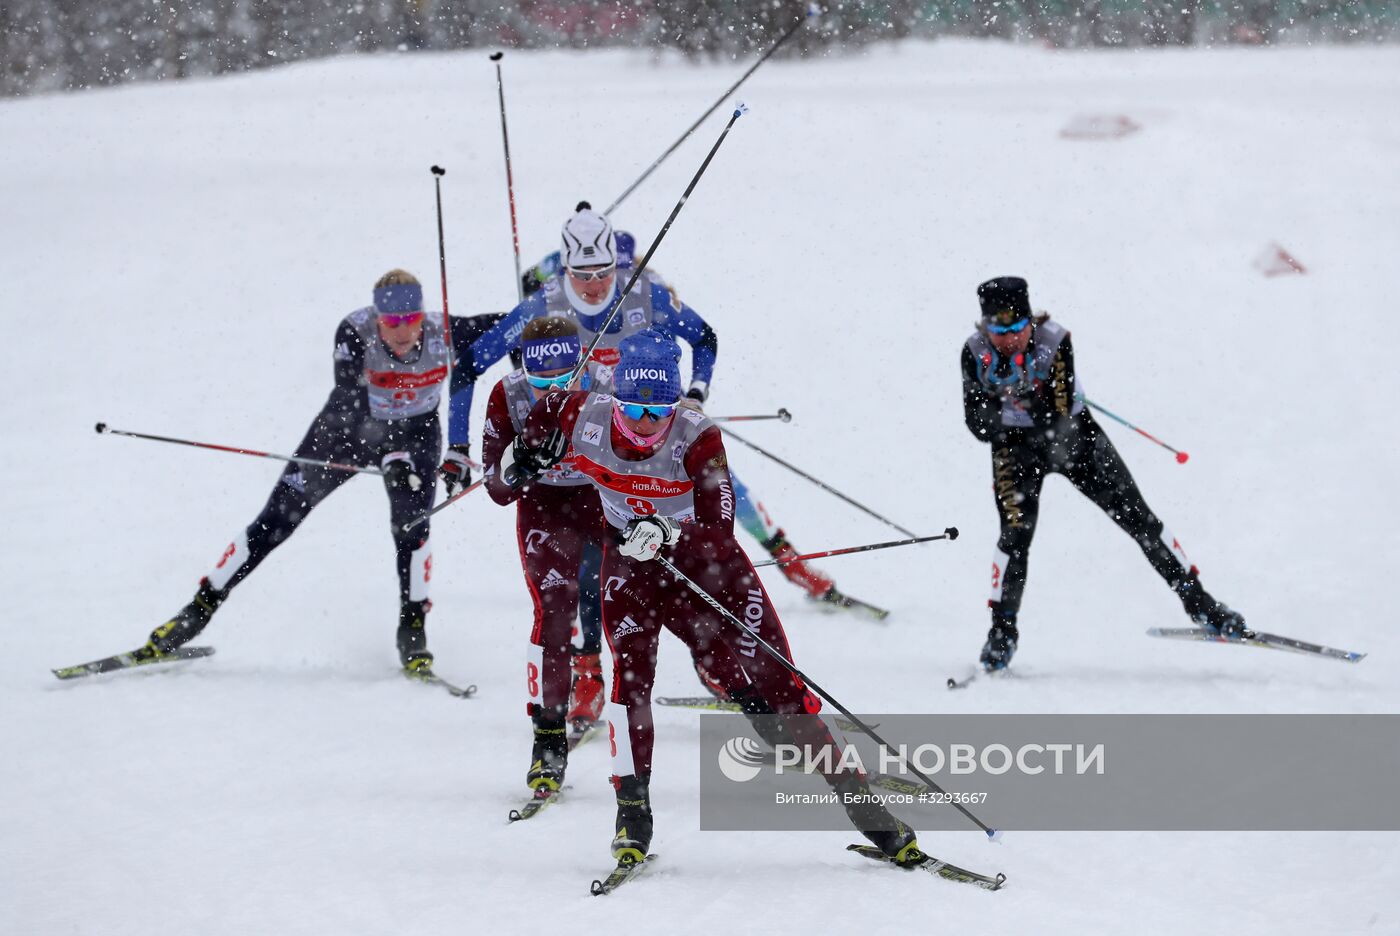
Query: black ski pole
column 809, row 683
column 104, row 429
column 510, row 180
column 445, row 504
column 949, row 534
column 819, row 483
column 438, row 172
column 781, row 414
column 739, row 110
column 811, row 12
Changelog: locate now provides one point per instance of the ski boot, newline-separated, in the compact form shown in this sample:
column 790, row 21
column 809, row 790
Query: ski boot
column 818, row 587
column 186, row 624
column 868, row 814
column 587, row 694
column 1001, row 642
column 632, row 840
column 413, row 636
column 1212, row 616
column 549, row 756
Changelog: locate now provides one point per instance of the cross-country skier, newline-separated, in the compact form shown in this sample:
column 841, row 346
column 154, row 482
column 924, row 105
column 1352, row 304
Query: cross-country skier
column 553, row 273
column 1021, row 394
column 558, row 521
column 391, row 361
column 662, row 477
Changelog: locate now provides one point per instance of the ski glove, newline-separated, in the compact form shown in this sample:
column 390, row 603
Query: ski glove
column 644, row 538
column 399, row 474
column 456, row 469
column 521, row 463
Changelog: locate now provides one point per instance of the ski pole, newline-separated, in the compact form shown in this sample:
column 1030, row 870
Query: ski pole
column 1181, row 457
column 444, row 505
column 739, row 110
column 104, row 429
column 949, row 534
column 510, row 180
column 819, row 483
column 812, row 11
column 781, row 414
column 438, row 172
column 809, row 683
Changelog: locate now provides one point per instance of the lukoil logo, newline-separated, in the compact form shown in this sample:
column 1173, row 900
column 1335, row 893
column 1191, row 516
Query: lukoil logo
column 741, row 759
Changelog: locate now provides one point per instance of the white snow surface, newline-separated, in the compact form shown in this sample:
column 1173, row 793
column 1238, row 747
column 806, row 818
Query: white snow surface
column 175, row 259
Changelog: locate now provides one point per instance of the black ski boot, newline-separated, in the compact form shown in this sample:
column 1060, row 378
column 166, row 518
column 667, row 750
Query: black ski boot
column 550, row 754
column 868, row 814
column 413, row 636
column 633, row 838
column 187, row 623
column 1209, row 614
column 1001, row 642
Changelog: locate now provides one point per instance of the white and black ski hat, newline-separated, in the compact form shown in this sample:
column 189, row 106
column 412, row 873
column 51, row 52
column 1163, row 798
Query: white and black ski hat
column 588, row 239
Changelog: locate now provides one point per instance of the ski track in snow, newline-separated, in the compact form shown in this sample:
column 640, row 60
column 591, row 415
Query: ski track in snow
column 176, row 258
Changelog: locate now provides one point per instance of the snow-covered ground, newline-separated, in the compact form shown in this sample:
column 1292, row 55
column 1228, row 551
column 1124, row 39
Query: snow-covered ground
column 175, row 258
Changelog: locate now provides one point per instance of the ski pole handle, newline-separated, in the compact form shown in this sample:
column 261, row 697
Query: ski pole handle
column 104, row 429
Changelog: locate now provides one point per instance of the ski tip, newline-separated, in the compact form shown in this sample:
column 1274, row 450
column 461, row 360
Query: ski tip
column 514, row 816
column 998, row 882
column 101, row 428
column 952, row 683
column 497, row 56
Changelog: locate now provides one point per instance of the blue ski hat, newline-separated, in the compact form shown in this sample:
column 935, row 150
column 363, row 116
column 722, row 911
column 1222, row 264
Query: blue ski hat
column 648, row 369
column 399, row 298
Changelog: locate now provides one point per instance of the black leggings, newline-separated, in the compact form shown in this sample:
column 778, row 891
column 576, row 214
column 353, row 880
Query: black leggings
column 302, row 487
column 1091, row 463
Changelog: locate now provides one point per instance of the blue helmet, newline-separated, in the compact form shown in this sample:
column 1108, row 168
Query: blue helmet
column 648, row 369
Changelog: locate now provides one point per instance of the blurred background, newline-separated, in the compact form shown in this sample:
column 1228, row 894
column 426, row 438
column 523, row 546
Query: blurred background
column 54, row 45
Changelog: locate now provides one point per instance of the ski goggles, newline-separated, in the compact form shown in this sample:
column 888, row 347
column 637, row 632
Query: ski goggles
column 657, row 411
column 1014, row 327
column 588, row 276
column 395, row 319
column 558, row 382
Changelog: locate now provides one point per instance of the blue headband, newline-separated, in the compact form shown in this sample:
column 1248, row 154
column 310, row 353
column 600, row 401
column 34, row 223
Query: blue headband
column 406, row 297
column 542, row 354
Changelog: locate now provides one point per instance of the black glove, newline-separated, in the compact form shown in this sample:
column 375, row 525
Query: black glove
column 399, row 473
column 530, row 282
column 456, row 469
column 526, row 463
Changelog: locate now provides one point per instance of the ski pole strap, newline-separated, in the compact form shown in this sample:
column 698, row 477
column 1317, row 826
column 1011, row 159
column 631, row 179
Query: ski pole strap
column 949, row 534
column 819, row 483
column 444, row 505
column 104, row 429
column 810, row 684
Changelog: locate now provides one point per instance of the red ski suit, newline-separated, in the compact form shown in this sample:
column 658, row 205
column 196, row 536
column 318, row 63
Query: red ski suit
column 640, row 598
column 553, row 522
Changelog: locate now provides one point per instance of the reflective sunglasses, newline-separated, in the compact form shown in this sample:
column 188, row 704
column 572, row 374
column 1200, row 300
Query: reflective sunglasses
column 1014, row 327
column 588, row 276
column 657, row 411
column 395, row 319
column 550, row 383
